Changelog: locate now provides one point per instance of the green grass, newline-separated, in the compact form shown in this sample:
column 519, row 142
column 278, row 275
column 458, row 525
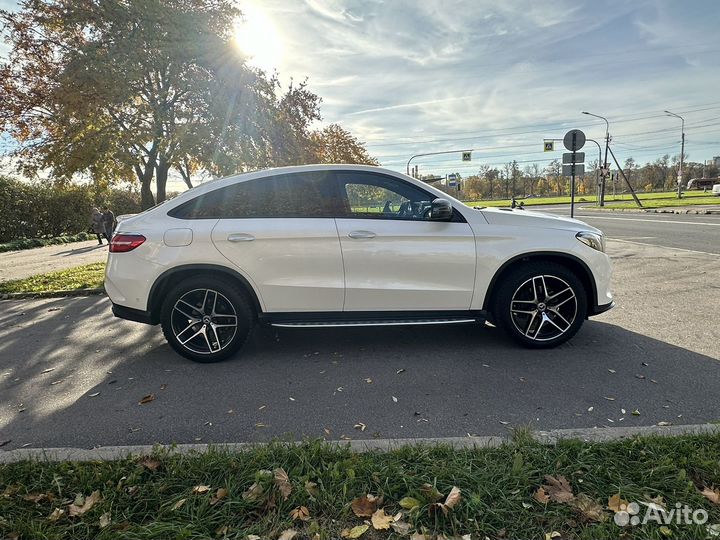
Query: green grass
column 30, row 243
column 668, row 203
column 89, row 276
column 497, row 487
column 671, row 195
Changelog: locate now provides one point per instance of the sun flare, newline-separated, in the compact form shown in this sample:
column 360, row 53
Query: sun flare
column 257, row 37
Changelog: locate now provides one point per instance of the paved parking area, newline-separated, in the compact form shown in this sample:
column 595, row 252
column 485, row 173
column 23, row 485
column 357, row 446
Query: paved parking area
column 71, row 375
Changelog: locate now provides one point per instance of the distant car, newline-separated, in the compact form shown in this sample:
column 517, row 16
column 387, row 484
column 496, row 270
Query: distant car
column 716, row 189
column 349, row 245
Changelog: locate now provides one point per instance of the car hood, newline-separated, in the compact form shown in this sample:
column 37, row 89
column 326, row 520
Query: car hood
column 528, row 218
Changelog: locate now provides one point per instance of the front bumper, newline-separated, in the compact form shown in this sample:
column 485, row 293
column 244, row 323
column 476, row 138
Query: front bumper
column 598, row 309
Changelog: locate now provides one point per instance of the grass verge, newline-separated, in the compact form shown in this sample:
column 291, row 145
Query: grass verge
column 30, row 243
column 220, row 494
column 89, row 276
column 668, row 203
column 609, row 199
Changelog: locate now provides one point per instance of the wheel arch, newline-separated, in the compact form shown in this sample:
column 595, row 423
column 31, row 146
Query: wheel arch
column 173, row 276
column 571, row 262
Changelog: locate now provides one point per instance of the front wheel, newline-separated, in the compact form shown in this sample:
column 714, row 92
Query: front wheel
column 540, row 305
column 206, row 319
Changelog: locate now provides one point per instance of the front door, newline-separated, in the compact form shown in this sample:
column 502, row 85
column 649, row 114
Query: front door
column 395, row 258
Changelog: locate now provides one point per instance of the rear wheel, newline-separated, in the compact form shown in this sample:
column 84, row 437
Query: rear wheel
column 207, row 319
column 540, row 305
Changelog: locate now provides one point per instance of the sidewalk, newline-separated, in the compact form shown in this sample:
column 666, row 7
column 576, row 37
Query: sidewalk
column 28, row 262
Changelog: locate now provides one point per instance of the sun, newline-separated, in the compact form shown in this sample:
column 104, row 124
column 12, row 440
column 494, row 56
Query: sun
column 257, row 38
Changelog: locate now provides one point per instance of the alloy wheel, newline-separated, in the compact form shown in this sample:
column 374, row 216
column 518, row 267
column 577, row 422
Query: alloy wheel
column 204, row 321
column 543, row 308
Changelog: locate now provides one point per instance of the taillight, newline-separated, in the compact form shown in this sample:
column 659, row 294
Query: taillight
column 122, row 243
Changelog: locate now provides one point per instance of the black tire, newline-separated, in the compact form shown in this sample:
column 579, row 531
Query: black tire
column 535, row 287
column 187, row 302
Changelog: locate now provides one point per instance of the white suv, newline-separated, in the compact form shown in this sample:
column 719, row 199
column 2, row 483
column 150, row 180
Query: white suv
column 348, row 245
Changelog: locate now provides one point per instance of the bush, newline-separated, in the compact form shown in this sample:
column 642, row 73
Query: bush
column 30, row 211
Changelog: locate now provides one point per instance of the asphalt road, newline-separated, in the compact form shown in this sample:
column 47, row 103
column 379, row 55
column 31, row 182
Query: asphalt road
column 684, row 231
column 28, row 262
column 71, row 375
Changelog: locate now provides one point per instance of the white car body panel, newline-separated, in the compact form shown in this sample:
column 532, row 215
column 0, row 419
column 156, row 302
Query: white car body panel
column 310, row 264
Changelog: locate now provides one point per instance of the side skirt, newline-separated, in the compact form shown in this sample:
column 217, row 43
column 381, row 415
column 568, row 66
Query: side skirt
column 377, row 318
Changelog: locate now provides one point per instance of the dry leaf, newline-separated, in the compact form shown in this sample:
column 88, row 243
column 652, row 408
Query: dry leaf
column 419, row 536
column 590, row 510
column 617, row 504
column 201, row 489
column 220, row 494
column 364, row 506
column 178, row 504
column 222, row 531
column 355, row 532
column 451, row 501
column 408, row 503
column 149, row 463
column 712, row 495
column 36, row 497
column 79, row 510
column 558, row 489
column 360, row 426
column 104, row 520
column 287, row 534
column 380, row 520
column 541, row 496
column 147, row 399
column 282, row 482
column 312, row 489
column 401, row 527
column 431, row 492
column 56, row 514
column 252, row 537
column 301, row 513
column 253, row 493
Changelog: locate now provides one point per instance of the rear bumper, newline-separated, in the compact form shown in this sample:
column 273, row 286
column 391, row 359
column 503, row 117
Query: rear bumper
column 131, row 314
column 597, row 310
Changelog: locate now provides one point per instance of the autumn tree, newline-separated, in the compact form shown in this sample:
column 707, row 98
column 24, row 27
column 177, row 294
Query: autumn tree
column 334, row 144
column 135, row 88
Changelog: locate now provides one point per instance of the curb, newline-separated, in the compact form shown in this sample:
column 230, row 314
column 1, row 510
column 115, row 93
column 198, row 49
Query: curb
column 52, row 294
column 108, row 453
column 688, row 211
column 606, row 209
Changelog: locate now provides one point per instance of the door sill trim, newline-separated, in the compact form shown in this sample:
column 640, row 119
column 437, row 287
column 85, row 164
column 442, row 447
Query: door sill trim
column 337, row 324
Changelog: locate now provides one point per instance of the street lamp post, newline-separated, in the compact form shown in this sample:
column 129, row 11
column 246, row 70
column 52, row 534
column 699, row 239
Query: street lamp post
column 607, row 143
column 682, row 151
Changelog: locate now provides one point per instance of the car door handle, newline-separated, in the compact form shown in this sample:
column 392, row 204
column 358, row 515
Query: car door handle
column 240, row 237
column 361, row 234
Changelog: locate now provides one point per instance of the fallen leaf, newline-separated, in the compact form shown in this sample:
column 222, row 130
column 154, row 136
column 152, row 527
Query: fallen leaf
column 451, row 501
column 712, row 495
column 201, row 489
column 252, row 537
column 635, row 413
column 399, row 371
column 301, row 513
column 589, row 508
column 253, row 493
column 312, row 489
column 360, row 426
column 431, row 492
column 220, row 494
column 178, row 504
column 105, row 520
column 617, row 503
column 364, row 506
column 146, row 399
column 35, row 497
column 408, row 503
column 666, row 531
column 551, row 535
column 355, row 532
column 282, row 482
column 222, row 531
column 401, row 527
column 79, row 510
column 96, row 394
column 287, row 534
column 541, row 496
column 611, row 370
column 662, row 424
column 394, row 399
column 420, row 536
column 149, row 463
column 56, row 514
column 558, row 489
column 380, row 520
column 609, row 398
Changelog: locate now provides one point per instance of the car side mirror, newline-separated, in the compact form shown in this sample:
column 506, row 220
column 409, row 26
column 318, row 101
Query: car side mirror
column 441, row 210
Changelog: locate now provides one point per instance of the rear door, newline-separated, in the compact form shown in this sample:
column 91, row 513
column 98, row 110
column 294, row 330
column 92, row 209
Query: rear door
column 395, row 258
column 280, row 232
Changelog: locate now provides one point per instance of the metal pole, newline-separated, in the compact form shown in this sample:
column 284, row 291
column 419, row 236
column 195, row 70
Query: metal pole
column 607, row 146
column 682, row 152
column 632, row 191
column 407, row 167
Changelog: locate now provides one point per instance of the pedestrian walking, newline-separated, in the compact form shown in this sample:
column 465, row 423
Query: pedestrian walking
column 98, row 226
column 108, row 222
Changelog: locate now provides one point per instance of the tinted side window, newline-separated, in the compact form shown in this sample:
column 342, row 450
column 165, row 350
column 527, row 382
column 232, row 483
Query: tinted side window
column 311, row 194
column 376, row 196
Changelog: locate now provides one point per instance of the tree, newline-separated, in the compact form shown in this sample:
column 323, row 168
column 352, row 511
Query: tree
column 553, row 170
column 334, row 144
column 135, row 88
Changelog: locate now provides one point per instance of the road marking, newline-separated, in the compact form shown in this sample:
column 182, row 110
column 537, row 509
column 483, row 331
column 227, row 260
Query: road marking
column 612, row 239
column 655, row 220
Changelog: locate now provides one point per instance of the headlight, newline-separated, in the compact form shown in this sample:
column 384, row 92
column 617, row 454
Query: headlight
column 594, row 240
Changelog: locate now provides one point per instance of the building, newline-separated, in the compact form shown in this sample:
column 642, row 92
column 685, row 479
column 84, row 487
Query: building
column 714, row 162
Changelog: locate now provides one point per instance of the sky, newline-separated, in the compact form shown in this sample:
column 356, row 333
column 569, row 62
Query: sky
column 498, row 77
